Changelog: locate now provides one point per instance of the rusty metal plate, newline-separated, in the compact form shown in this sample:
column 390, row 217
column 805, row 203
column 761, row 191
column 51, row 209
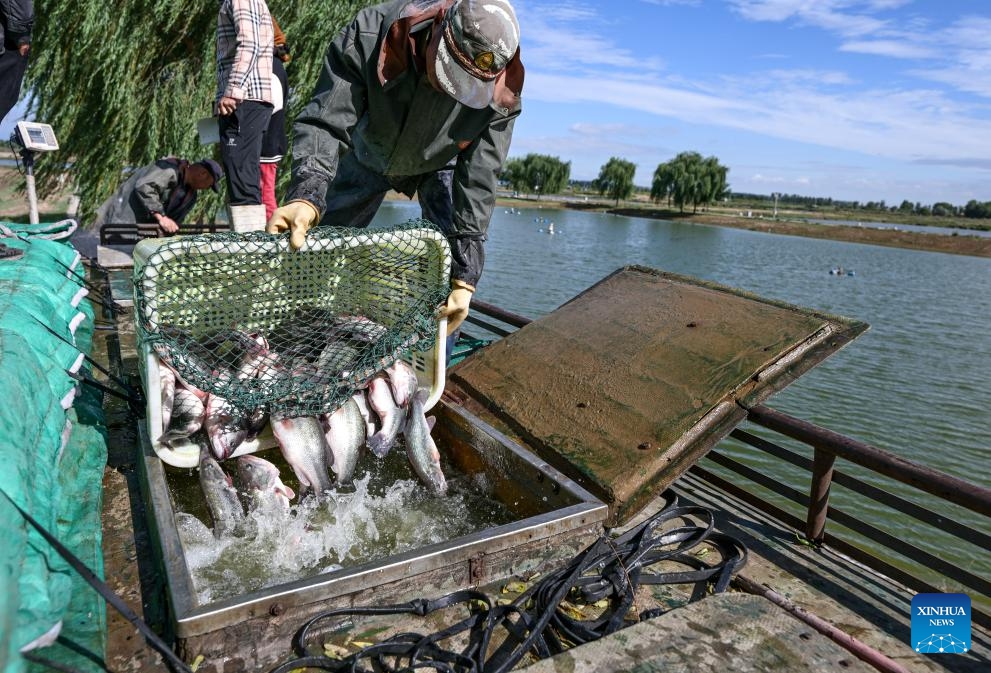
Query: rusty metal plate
column 627, row 385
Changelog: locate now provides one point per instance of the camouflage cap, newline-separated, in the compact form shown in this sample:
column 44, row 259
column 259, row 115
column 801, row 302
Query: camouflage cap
column 480, row 38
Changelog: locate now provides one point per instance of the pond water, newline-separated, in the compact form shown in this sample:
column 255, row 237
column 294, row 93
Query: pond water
column 916, row 384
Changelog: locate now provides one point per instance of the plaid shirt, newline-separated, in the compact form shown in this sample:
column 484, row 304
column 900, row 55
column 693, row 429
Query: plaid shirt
column 245, row 38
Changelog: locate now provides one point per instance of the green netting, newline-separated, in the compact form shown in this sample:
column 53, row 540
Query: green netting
column 53, row 458
column 465, row 346
column 294, row 333
column 56, row 231
column 42, row 301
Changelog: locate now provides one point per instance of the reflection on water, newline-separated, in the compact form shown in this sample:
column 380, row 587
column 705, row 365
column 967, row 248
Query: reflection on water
column 387, row 511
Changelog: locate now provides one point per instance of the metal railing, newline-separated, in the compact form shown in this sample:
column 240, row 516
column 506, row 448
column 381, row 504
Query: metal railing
column 826, row 447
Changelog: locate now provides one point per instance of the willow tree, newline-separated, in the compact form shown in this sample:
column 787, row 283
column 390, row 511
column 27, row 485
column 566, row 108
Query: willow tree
column 124, row 83
column 537, row 173
column 616, row 179
column 688, row 179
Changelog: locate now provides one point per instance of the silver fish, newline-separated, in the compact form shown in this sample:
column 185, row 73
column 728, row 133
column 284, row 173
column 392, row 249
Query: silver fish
column 305, row 449
column 360, row 328
column 336, row 361
column 345, row 433
column 420, row 447
column 263, row 484
column 403, row 380
column 257, row 420
column 225, row 508
column 361, row 399
column 225, row 425
column 392, row 417
column 186, row 417
column 167, row 379
column 184, row 353
column 271, row 373
column 298, row 334
column 253, row 356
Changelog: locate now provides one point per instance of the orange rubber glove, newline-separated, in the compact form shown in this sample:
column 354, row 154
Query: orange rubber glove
column 455, row 309
column 296, row 217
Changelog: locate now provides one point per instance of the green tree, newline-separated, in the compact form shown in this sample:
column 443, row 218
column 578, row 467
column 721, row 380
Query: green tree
column 514, row 174
column 537, row 174
column 944, row 209
column 662, row 187
column 124, row 84
column 688, row 179
column 976, row 209
column 713, row 186
column 616, row 179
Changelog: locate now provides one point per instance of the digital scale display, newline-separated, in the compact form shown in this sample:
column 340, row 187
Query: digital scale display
column 37, row 137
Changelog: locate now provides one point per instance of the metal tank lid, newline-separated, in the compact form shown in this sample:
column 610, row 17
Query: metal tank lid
column 631, row 382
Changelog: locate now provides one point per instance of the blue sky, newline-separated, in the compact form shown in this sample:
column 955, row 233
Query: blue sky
column 851, row 99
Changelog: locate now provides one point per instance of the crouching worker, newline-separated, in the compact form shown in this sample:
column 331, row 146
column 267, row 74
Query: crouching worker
column 419, row 97
column 161, row 193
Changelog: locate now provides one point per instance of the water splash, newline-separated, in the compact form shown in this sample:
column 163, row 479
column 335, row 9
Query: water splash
column 378, row 516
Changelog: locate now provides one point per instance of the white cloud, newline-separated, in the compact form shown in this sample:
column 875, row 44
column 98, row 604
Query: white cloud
column 967, row 62
column 892, row 48
column 958, row 54
column 805, row 75
column 586, row 142
column 801, row 104
column 900, row 124
column 847, row 17
column 963, row 79
column 779, row 180
column 553, row 43
column 560, row 12
column 670, row 3
column 913, row 115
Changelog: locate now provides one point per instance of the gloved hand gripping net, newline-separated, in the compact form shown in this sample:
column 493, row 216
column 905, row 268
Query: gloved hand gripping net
column 293, row 333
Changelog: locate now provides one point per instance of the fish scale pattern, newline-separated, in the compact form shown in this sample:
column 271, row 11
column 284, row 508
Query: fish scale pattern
column 294, row 333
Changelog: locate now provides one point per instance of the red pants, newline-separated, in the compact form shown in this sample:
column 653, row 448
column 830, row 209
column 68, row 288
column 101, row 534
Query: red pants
column 268, row 188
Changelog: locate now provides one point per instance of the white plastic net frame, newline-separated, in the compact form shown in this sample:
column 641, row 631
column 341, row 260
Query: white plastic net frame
column 197, row 297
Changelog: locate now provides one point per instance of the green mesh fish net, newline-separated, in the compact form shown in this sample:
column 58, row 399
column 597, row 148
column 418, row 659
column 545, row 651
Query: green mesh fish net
column 293, row 333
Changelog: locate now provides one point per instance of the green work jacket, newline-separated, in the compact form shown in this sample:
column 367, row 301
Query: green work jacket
column 371, row 99
column 157, row 188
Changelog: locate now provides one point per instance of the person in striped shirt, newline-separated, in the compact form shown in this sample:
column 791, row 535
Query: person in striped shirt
column 245, row 40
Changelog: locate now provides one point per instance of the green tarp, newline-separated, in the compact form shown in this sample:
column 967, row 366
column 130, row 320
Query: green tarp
column 53, row 448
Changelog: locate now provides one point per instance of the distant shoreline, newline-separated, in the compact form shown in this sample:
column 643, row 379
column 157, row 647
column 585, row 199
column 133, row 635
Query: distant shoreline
column 960, row 244
column 12, row 205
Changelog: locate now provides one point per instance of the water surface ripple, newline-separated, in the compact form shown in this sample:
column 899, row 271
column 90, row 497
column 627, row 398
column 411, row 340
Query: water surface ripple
column 916, row 384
